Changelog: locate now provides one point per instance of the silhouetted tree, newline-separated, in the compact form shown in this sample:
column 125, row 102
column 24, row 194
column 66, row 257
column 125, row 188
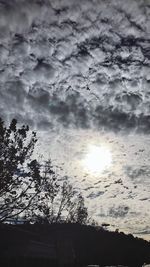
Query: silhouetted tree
column 57, row 202
column 17, row 172
column 31, row 189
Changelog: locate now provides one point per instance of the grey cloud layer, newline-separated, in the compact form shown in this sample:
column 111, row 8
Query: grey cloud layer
column 83, row 64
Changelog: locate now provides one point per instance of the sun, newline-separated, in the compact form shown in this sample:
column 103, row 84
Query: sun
column 97, row 159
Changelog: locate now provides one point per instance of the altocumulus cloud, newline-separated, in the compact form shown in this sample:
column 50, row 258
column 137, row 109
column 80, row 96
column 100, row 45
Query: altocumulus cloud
column 86, row 64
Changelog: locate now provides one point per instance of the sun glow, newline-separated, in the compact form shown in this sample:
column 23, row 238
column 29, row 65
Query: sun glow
column 97, row 159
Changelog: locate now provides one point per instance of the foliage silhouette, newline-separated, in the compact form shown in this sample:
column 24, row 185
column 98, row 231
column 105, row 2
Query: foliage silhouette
column 56, row 202
column 30, row 189
column 17, row 172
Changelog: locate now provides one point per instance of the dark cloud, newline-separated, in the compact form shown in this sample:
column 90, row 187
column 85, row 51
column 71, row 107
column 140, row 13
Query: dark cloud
column 138, row 174
column 144, row 232
column 43, row 124
column 133, row 100
column 38, row 98
column 72, row 110
column 75, row 110
column 120, row 211
column 114, row 119
column 93, row 195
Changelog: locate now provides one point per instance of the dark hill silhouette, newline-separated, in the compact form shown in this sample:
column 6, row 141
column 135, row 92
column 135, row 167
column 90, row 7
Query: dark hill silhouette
column 69, row 245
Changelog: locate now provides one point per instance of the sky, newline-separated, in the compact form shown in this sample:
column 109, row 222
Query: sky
column 79, row 73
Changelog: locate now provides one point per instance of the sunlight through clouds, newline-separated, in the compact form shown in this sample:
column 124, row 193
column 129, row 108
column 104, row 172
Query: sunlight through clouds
column 97, row 159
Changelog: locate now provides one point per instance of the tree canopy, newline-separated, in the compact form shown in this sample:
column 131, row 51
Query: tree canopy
column 30, row 189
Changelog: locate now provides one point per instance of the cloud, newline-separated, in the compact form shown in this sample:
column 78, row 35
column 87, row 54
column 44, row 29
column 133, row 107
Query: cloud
column 120, row 211
column 93, row 195
column 81, row 65
column 38, row 97
column 75, row 110
column 138, row 174
column 72, row 110
column 130, row 100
